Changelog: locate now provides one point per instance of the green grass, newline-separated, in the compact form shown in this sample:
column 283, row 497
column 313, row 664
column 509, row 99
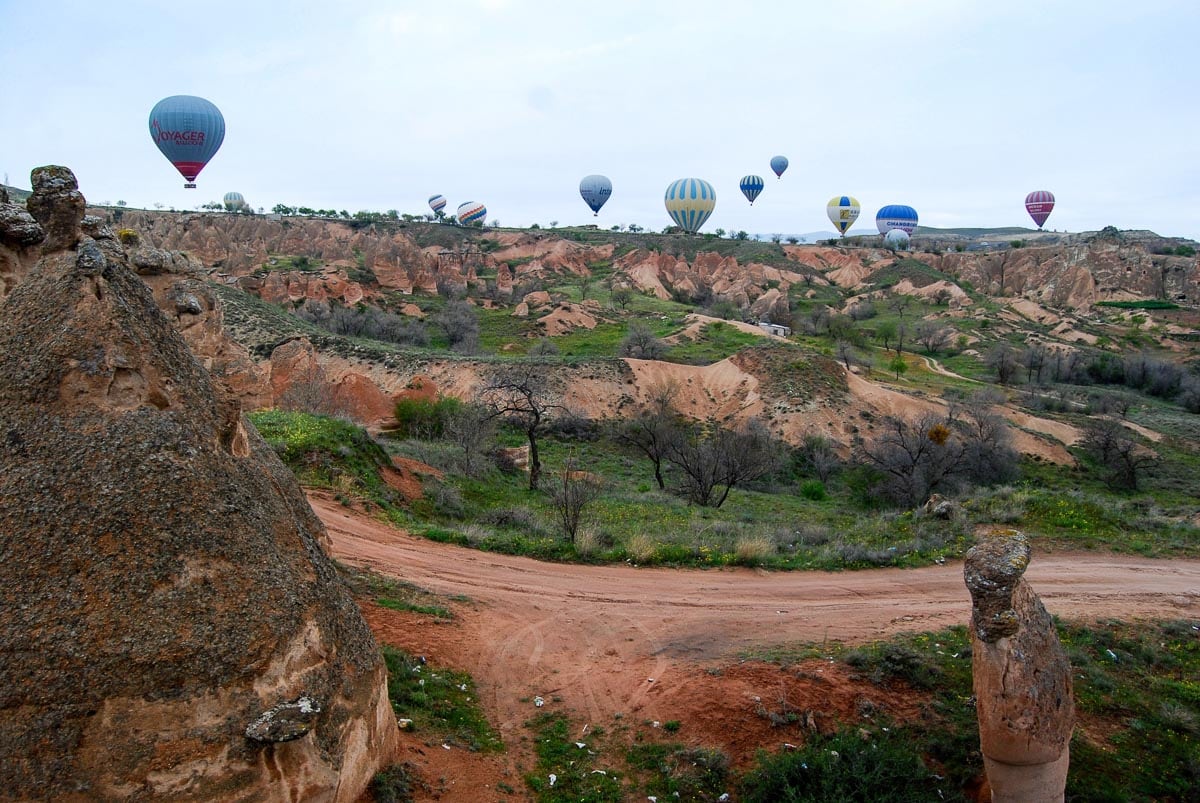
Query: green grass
column 1137, row 694
column 580, row 773
column 442, row 703
column 397, row 595
column 714, row 342
column 1149, row 303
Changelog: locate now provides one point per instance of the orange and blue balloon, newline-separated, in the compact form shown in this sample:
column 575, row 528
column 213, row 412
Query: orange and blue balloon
column 1039, row 205
column 189, row 131
column 595, row 191
column 689, row 202
column 471, row 213
column 751, row 186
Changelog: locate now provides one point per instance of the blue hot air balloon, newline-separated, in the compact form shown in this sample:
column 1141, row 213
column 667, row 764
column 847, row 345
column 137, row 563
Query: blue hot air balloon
column 595, row 191
column 437, row 203
column 751, row 186
column 779, row 164
column 188, row 130
column 689, row 203
column 896, row 216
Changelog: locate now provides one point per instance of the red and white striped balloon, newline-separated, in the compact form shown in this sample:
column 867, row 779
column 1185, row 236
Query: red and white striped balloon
column 1039, row 205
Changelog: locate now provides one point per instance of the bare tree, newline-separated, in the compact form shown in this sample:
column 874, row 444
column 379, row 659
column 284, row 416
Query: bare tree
column 1115, row 450
column 818, row 456
column 714, row 460
column 519, row 393
column 1003, row 360
column 470, row 427
column 573, row 492
column 461, row 324
column 933, row 336
column 899, row 303
column 640, row 343
column 989, row 456
column 621, row 297
column 1034, row 360
column 914, row 458
column 654, row 426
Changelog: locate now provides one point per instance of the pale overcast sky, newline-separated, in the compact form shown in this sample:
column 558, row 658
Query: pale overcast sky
column 955, row 107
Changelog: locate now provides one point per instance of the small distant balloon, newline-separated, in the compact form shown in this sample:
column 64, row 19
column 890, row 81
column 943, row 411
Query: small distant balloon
column 234, row 201
column 751, row 186
column 896, row 239
column 779, row 164
column 189, row 131
column 437, row 203
column 689, row 202
column 1039, row 205
column 896, row 216
column 595, row 190
column 470, row 213
column 843, row 210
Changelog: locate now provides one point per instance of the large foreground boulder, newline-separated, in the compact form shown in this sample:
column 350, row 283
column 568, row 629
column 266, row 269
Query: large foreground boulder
column 171, row 628
column 1021, row 676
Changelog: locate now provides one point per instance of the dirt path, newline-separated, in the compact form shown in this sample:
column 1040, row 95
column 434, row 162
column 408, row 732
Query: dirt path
column 646, row 643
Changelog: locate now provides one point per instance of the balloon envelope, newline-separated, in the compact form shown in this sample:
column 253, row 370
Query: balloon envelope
column 234, row 201
column 689, row 203
column 779, row 164
column 595, row 191
column 896, row 239
column 471, row 213
column 843, row 210
column 437, row 202
column 1039, row 205
column 896, row 216
column 188, row 130
column 751, row 186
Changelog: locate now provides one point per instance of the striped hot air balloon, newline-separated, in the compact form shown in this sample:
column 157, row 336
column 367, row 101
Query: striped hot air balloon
column 234, row 202
column 188, row 130
column 595, row 191
column 470, row 213
column 689, row 203
column 437, row 203
column 896, row 216
column 843, row 210
column 779, row 164
column 1039, row 205
column 751, row 186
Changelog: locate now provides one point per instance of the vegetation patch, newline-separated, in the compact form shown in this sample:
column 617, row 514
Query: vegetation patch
column 441, row 703
column 1149, row 303
column 570, row 769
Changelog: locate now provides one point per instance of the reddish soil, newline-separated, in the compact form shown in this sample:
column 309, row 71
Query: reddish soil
column 648, row 644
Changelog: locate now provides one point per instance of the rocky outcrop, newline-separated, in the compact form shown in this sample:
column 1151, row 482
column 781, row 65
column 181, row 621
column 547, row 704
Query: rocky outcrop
column 20, row 236
column 1077, row 276
column 163, row 585
column 1021, row 676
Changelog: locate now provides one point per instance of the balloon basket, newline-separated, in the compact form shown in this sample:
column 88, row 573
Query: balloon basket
column 189, row 186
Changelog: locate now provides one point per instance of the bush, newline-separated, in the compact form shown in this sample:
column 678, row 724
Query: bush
column 425, row 419
column 814, row 490
column 842, row 767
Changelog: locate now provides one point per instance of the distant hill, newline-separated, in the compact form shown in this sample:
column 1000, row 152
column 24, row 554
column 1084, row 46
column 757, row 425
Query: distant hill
column 15, row 194
column 1008, row 231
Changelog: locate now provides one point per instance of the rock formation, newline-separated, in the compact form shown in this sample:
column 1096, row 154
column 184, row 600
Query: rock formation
column 172, row 628
column 1022, row 678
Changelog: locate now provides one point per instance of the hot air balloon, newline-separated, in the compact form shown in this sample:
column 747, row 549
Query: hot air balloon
column 843, row 211
column 1039, row 205
column 471, row 213
column 751, row 186
column 595, row 190
column 779, row 164
column 188, row 130
column 896, row 216
column 437, row 203
column 689, row 203
column 234, row 202
column 896, row 239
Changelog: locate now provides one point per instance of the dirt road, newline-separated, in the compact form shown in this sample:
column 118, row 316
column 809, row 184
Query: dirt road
column 595, row 636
